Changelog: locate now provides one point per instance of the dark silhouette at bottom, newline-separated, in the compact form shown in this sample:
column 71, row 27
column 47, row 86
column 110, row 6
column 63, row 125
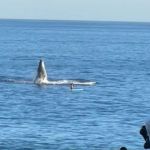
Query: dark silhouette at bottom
column 143, row 132
column 123, row 148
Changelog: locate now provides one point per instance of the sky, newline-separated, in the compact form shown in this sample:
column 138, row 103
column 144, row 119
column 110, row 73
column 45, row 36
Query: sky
column 97, row 10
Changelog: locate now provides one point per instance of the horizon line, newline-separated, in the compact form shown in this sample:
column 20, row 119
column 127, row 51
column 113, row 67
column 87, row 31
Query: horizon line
column 75, row 20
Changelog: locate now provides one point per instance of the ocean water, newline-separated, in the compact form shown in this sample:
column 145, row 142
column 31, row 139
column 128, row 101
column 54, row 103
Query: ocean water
column 106, row 116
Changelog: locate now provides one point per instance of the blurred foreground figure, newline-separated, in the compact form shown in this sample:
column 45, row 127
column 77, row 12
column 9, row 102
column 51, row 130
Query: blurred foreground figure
column 123, row 148
column 145, row 132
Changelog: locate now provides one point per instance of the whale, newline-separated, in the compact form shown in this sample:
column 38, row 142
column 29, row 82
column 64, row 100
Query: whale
column 42, row 78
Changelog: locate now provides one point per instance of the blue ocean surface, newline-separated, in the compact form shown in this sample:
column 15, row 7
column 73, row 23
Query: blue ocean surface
column 106, row 116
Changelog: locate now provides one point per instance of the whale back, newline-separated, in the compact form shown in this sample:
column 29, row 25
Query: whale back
column 41, row 73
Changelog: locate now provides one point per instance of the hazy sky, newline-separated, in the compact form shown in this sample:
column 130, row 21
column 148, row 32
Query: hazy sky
column 113, row 10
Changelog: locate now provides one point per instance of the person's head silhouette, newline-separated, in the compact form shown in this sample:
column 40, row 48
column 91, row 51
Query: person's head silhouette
column 123, row 148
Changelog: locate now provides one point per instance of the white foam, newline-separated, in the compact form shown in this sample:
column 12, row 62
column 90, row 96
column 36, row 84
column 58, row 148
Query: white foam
column 67, row 82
